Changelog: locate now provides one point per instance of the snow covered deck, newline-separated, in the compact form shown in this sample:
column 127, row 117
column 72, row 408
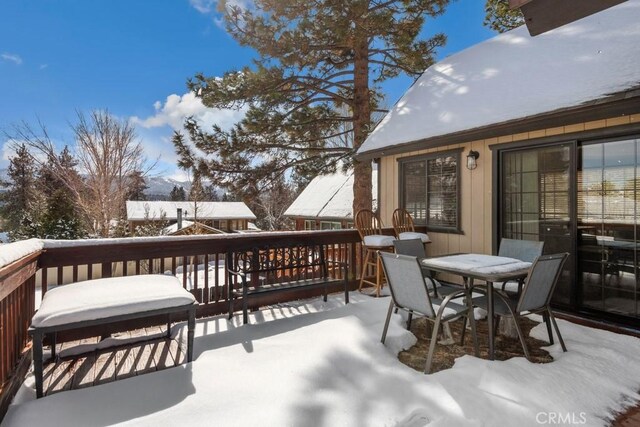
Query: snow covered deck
column 315, row 363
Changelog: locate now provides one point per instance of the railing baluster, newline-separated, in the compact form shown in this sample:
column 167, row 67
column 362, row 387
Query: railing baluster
column 205, row 295
column 216, row 279
column 185, row 271
column 43, row 282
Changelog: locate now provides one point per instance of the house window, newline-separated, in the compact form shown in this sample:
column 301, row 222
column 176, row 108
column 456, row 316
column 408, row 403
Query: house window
column 429, row 190
column 309, row 224
column 330, row 225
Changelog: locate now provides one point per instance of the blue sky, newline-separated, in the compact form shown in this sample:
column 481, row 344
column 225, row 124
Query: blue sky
column 134, row 57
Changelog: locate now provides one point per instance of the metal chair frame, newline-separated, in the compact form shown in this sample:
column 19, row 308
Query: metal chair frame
column 516, row 307
column 399, row 285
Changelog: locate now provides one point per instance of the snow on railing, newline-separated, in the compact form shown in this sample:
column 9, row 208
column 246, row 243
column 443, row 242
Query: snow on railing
column 18, row 265
column 12, row 252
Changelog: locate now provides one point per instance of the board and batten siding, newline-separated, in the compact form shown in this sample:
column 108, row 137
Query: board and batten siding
column 475, row 186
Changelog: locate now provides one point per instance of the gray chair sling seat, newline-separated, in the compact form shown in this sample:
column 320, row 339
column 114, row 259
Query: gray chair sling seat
column 415, row 248
column 106, row 301
column 524, row 250
column 410, row 293
column 534, row 298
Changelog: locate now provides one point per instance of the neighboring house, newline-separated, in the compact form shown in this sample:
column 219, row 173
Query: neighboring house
column 555, row 121
column 224, row 216
column 188, row 228
column 327, row 202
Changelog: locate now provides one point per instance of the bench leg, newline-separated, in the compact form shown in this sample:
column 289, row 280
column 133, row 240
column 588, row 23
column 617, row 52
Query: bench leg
column 53, row 338
column 190, row 332
column 169, row 325
column 37, row 363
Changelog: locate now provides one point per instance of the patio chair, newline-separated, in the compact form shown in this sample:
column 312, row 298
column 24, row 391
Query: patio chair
column 415, row 248
column 535, row 297
column 369, row 227
column 524, row 250
column 404, row 227
column 409, row 292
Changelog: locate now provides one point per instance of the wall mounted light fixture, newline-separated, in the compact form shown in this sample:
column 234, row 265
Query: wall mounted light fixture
column 472, row 158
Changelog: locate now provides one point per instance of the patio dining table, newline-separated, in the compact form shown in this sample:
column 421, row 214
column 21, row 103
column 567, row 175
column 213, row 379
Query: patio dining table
column 488, row 268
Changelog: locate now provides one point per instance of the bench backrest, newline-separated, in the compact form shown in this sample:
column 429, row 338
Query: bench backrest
column 278, row 263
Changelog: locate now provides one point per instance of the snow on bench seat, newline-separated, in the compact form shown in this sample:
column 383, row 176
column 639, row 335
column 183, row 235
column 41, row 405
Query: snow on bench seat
column 104, row 298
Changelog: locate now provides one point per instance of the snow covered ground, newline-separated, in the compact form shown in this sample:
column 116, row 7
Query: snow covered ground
column 322, row 364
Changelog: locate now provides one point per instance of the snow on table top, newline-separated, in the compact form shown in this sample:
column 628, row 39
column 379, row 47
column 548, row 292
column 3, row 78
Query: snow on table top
column 322, row 364
column 478, row 263
column 102, row 298
column 514, row 75
column 12, row 252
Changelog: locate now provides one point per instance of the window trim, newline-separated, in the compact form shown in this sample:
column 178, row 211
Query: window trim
column 424, row 157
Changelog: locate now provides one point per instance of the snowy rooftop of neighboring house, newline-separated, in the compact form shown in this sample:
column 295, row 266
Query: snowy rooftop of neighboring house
column 514, row 75
column 329, row 196
column 174, row 227
column 141, row 210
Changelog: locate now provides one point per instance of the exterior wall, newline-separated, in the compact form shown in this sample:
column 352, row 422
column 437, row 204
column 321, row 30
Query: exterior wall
column 475, row 187
column 300, row 222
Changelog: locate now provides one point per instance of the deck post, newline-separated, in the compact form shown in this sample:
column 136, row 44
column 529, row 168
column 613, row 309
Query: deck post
column 37, row 363
column 190, row 332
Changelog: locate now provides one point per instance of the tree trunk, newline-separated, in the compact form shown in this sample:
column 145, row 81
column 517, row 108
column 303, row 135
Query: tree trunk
column 361, row 120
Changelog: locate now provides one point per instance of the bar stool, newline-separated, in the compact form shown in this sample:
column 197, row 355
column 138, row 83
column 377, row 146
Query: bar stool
column 404, row 228
column 369, row 227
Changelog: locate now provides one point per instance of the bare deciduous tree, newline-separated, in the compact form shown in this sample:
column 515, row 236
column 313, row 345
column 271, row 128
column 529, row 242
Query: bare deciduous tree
column 109, row 156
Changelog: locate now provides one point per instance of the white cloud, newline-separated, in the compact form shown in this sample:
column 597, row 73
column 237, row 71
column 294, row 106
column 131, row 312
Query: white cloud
column 177, row 108
column 11, row 57
column 203, row 6
column 209, row 7
column 43, row 66
column 6, row 152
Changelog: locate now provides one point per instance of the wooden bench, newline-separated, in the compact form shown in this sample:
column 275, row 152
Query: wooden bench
column 106, row 301
column 269, row 270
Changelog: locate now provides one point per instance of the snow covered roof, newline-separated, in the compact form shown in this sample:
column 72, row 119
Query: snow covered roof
column 174, row 227
column 513, row 76
column 137, row 210
column 329, row 196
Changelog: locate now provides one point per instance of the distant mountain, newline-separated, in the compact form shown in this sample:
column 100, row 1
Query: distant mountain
column 161, row 186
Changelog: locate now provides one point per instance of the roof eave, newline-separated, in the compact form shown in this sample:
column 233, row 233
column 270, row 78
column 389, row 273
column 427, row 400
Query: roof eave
column 619, row 104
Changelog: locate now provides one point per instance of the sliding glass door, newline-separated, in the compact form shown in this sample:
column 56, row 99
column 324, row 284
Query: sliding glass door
column 536, row 203
column 582, row 198
column 607, row 214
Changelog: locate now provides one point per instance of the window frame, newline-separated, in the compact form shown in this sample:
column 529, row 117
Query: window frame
column 331, row 225
column 457, row 229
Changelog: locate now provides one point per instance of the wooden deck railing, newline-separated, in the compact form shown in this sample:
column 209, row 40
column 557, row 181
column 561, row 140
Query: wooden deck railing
column 17, row 306
column 198, row 260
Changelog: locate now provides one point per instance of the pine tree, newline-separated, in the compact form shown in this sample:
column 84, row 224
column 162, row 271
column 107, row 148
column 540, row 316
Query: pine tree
column 178, row 194
column 316, row 80
column 21, row 205
column 137, row 185
column 499, row 17
column 61, row 219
